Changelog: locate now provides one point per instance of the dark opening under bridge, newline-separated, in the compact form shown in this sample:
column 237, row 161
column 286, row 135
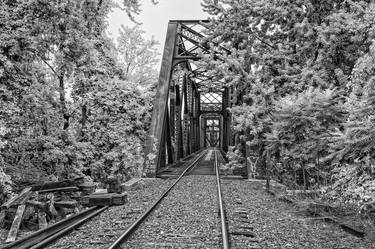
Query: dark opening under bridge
column 190, row 107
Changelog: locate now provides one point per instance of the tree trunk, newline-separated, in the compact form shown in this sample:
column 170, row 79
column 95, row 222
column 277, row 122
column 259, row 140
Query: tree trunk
column 83, row 120
column 318, row 174
column 64, row 111
column 268, row 161
column 249, row 169
column 45, row 126
column 304, row 177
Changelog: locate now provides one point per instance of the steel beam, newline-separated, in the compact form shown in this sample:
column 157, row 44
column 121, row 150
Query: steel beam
column 176, row 126
column 154, row 143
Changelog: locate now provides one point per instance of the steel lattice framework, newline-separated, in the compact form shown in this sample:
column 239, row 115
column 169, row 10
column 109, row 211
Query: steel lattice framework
column 182, row 109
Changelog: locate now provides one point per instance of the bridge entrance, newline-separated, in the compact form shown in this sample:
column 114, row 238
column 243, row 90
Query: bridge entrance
column 211, row 108
column 212, row 133
column 191, row 105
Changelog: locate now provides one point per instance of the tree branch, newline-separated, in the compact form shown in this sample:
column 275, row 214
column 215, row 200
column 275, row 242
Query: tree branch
column 53, row 70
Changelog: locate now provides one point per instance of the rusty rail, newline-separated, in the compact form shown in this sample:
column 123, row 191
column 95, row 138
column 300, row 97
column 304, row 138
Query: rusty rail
column 223, row 220
column 134, row 226
column 45, row 236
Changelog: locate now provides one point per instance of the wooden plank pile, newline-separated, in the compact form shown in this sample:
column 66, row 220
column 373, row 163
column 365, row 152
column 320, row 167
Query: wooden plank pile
column 39, row 204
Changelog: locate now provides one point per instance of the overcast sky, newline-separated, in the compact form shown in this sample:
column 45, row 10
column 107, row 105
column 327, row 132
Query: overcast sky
column 154, row 18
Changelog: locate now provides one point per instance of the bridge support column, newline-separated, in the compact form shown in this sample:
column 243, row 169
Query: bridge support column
column 226, row 120
column 156, row 142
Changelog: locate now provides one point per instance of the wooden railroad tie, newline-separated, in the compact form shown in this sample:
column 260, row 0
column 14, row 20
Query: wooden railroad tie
column 104, row 199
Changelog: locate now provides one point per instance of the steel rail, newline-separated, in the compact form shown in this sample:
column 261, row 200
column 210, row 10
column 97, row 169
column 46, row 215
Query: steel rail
column 59, row 234
column 224, row 229
column 47, row 235
column 133, row 226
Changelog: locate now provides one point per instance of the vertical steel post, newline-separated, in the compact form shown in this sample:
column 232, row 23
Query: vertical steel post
column 154, row 145
column 179, row 141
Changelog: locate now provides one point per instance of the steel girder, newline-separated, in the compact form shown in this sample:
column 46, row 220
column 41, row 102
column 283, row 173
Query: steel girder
column 175, row 130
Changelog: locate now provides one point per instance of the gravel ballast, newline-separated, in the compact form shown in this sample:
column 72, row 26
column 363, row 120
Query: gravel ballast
column 187, row 218
column 104, row 229
column 277, row 225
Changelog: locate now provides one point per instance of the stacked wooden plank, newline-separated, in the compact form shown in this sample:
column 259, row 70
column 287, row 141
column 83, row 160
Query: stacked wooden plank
column 19, row 201
column 43, row 203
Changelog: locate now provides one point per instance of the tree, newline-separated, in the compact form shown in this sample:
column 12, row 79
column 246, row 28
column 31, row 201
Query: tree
column 302, row 126
column 137, row 56
column 286, row 61
column 53, row 58
column 118, row 122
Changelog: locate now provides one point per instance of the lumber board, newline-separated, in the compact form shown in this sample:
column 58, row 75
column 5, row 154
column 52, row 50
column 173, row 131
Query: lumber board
column 51, row 207
column 8, row 203
column 42, row 222
column 66, row 204
column 2, row 217
column 12, row 235
column 59, row 184
column 21, row 198
column 87, row 188
column 63, row 189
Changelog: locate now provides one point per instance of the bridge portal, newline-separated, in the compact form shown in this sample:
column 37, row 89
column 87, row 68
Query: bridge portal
column 190, row 107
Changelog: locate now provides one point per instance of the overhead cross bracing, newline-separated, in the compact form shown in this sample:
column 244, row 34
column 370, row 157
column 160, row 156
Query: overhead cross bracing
column 187, row 98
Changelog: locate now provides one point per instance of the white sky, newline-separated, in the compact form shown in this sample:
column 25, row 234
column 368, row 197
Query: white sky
column 154, row 18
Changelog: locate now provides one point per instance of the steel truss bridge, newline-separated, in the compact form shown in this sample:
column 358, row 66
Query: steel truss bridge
column 190, row 110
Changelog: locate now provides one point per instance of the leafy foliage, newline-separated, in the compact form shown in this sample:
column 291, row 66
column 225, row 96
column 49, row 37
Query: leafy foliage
column 302, row 77
column 354, row 184
column 65, row 107
column 137, row 56
column 302, row 127
column 119, row 117
column 5, row 180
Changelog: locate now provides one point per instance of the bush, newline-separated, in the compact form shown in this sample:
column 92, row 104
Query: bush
column 354, row 185
column 5, row 185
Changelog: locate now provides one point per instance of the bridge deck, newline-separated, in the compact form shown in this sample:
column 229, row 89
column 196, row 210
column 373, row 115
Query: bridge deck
column 204, row 167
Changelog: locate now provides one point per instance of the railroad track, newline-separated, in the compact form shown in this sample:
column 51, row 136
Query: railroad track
column 223, row 220
column 121, row 240
column 45, row 236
